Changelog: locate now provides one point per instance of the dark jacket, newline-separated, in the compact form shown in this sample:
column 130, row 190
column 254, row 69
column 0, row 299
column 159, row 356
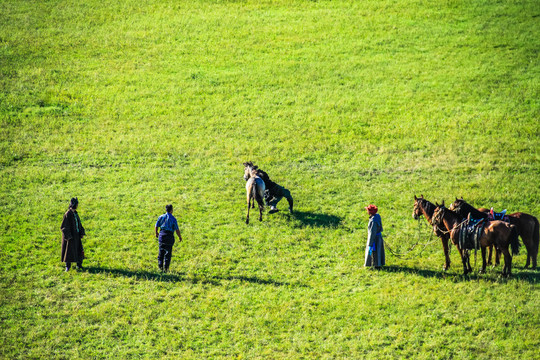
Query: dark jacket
column 269, row 184
column 72, row 232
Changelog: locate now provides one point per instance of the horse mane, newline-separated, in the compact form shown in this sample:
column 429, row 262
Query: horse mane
column 429, row 207
column 464, row 208
column 438, row 219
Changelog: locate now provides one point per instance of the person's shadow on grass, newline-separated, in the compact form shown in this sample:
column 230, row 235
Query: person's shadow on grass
column 311, row 219
column 183, row 277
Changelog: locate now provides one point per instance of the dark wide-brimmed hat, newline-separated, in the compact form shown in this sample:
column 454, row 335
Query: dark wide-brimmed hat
column 74, row 203
column 371, row 209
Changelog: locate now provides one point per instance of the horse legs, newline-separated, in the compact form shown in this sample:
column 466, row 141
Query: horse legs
column 446, row 255
column 261, row 208
column 528, row 246
column 464, row 260
column 489, row 262
column 248, row 205
column 469, row 268
column 507, row 269
column 483, row 270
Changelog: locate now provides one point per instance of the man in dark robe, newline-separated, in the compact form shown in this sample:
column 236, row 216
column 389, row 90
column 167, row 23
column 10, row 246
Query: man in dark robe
column 274, row 193
column 72, row 233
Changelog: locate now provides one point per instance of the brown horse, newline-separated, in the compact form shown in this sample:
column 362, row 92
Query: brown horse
column 426, row 208
column 254, row 189
column 498, row 233
column 527, row 227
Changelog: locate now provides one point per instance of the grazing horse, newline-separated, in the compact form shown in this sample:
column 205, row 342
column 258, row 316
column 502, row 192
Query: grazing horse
column 498, row 233
column 527, row 227
column 426, row 208
column 254, row 189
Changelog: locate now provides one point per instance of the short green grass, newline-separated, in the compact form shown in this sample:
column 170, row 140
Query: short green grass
column 131, row 105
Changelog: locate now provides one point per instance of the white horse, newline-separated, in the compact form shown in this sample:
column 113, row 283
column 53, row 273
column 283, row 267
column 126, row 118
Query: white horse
column 254, row 189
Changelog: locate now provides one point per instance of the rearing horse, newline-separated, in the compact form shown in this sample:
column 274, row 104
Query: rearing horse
column 254, row 189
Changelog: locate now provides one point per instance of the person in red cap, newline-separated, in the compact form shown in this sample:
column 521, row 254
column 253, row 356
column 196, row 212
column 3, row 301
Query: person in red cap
column 375, row 243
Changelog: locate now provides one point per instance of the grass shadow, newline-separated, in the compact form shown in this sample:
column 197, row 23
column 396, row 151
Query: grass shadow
column 183, row 277
column 311, row 219
column 492, row 276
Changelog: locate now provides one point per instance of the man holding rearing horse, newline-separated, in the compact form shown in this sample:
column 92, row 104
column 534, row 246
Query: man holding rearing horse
column 274, row 192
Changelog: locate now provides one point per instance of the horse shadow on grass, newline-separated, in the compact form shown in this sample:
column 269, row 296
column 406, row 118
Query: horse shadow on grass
column 491, row 276
column 310, row 219
column 183, row 277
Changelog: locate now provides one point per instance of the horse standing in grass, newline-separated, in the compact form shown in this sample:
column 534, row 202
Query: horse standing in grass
column 527, row 227
column 498, row 233
column 254, row 189
column 426, row 208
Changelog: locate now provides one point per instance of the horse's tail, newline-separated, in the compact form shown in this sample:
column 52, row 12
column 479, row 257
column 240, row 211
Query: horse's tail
column 536, row 235
column 514, row 240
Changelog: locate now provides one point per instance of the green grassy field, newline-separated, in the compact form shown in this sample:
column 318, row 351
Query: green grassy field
column 131, row 105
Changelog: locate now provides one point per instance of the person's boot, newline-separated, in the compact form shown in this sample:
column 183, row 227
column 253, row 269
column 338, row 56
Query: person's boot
column 68, row 266
column 79, row 266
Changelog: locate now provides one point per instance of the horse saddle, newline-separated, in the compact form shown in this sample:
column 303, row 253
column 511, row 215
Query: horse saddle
column 498, row 215
column 470, row 232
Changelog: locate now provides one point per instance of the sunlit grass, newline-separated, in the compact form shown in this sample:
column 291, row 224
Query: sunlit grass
column 133, row 105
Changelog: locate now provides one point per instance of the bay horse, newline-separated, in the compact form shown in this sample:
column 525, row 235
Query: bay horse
column 527, row 227
column 426, row 208
column 254, row 189
column 498, row 233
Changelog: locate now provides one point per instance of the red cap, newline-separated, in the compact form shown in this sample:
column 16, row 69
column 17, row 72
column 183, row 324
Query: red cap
column 371, row 209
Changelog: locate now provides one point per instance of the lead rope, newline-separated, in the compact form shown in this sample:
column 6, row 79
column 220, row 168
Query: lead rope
column 401, row 255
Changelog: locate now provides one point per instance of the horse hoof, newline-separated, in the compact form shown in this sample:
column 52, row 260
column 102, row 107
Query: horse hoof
column 247, row 222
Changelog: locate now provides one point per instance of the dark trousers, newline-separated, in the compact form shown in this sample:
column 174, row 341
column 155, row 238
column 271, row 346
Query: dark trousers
column 277, row 193
column 164, row 255
column 166, row 242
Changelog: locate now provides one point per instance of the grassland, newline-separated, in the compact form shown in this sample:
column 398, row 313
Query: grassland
column 131, row 105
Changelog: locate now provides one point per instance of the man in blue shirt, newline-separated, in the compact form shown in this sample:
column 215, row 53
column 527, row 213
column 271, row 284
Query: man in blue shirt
column 168, row 225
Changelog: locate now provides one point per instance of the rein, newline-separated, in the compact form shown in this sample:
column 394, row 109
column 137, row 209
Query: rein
column 401, row 255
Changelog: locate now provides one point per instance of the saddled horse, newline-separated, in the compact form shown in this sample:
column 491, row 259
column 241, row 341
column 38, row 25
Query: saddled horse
column 527, row 227
column 254, row 189
column 426, row 208
column 498, row 233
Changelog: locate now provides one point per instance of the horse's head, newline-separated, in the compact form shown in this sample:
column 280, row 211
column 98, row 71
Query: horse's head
column 438, row 214
column 249, row 170
column 456, row 204
column 418, row 204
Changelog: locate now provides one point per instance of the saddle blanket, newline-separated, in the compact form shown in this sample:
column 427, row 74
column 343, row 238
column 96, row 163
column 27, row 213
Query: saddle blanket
column 470, row 233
